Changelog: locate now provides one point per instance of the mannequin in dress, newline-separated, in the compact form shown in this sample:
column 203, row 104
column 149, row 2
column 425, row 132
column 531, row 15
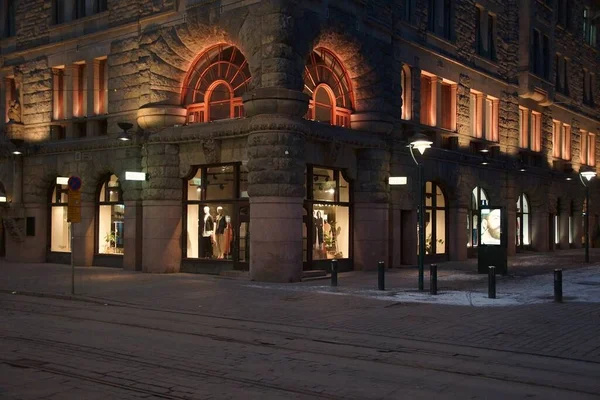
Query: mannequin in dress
column 220, row 226
column 318, row 222
column 207, row 230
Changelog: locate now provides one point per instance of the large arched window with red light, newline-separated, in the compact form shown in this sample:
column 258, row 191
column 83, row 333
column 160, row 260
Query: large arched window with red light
column 329, row 87
column 213, row 87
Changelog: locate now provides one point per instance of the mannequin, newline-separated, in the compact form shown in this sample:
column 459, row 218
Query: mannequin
column 318, row 222
column 228, row 238
column 207, row 230
column 220, row 226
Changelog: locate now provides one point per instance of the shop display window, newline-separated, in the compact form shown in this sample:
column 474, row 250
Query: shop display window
column 435, row 220
column 478, row 198
column 60, row 229
column 111, row 217
column 523, row 236
column 217, row 214
column 327, row 221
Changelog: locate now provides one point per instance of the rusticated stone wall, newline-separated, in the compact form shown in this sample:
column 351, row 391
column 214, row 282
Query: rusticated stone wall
column 37, row 95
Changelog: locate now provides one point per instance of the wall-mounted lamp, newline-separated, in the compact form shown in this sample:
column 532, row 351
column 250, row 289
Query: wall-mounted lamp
column 18, row 147
column 62, row 180
column 125, row 126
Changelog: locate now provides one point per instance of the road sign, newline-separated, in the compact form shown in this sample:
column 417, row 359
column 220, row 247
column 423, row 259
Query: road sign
column 74, row 183
column 74, row 206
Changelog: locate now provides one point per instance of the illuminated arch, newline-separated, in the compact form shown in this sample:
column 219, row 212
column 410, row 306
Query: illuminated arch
column 216, row 82
column 327, row 83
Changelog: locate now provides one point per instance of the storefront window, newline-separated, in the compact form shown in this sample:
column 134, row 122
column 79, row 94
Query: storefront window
column 435, row 219
column 327, row 221
column 60, row 229
column 111, row 217
column 523, row 222
column 478, row 198
column 217, row 215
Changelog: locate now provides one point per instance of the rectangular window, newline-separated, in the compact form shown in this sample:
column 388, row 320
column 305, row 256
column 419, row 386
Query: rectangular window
column 58, row 89
column 565, row 80
column 535, row 54
column 566, row 142
column 557, row 73
column 491, row 36
column 588, row 82
column 448, row 23
column 556, row 231
column 427, row 109
column 556, row 139
column 79, row 90
column 478, row 32
column 524, row 141
column 408, row 10
column 78, row 8
column 406, row 93
column 476, row 113
column 592, row 149
column 8, row 18
column 100, row 87
column 448, row 106
column 431, row 15
column 100, row 6
column 535, row 134
column 546, row 57
column 58, row 11
column 491, row 119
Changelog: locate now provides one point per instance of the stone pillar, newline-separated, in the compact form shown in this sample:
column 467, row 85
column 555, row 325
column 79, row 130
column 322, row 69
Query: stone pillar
column 276, row 165
column 28, row 248
column 162, row 209
column 132, row 235
column 83, row 235
column 371, row 209
column 540, row 235
column 457, row 246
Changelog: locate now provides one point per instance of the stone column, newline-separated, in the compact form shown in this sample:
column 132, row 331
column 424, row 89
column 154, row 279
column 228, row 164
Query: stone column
column 83, row 235
column 371, row 209
column 540, row 235
column 276, row 165
column 132, row 235
column 457, row 246
column 162, row 209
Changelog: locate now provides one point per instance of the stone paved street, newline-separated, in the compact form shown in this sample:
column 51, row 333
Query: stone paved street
column 132, row 335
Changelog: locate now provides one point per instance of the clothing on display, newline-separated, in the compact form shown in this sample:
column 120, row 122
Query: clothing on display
column 206, row 247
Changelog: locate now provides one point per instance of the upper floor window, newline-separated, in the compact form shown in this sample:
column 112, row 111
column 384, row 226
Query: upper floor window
column 213, row 87
column 588, row 148
column 530, row 129
column 485, row 30
column 441, row 18
column 561, row 140
column 58, row 93
column 408, row 10
column 540, row 55
column 100, row 5
column 69, row 10
column 561, row 74
column 588, row 87
column 484, row 116
column 564, row 14
column 442, row 115
column 406, row 92
column 7, row 12
column 100, row 86
column 328, row 85
column 589, row 28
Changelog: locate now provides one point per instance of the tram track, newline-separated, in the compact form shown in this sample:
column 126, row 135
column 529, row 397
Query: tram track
column 374, row 354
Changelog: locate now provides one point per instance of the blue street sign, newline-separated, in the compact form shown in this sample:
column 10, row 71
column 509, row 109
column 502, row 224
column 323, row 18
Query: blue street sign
column 74, row 183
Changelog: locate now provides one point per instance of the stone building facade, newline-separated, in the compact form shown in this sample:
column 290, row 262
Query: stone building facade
column 267, row 130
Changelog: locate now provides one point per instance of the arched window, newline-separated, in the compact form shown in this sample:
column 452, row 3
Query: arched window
column 213, row 87
column 60, row 229
column 523, row 237
column 406, row 93
column 478, row 198
column 328, row 85
column 110, row 217
column 435, row 219
column 3, row 197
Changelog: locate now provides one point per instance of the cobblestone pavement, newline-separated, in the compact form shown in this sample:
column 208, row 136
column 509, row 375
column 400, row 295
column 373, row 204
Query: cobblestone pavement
column 131, row 335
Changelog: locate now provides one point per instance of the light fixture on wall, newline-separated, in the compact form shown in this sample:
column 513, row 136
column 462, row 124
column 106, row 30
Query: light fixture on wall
column 397, row 180
column 125, row 126
column 17, row 146
column 62, row 180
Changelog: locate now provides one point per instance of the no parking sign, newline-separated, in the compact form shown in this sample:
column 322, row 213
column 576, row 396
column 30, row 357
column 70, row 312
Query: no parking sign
column 74, row 207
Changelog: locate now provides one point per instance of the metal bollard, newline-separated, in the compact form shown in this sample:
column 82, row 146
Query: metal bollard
column 492, row 282
column 381, row 275
column 558, row 295
column 433, row 279
column 334, row 272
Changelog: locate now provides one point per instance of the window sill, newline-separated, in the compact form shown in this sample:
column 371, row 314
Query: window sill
column 486, row 63
column 78, row 21
column 588, row 46
column 441, row 43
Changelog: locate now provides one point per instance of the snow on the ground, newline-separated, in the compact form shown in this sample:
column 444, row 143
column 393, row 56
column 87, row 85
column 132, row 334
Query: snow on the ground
column 579, row 285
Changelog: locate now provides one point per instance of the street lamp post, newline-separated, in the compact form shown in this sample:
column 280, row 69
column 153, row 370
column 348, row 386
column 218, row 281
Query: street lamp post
column 421, row 143
column 586, row 176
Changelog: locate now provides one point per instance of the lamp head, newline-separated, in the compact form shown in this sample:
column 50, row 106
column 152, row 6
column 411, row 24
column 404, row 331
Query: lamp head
column 588, row 175
column 421, row 142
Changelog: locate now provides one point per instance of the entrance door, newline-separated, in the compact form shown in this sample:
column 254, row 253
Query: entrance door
column 551, row 232
column 243, row 239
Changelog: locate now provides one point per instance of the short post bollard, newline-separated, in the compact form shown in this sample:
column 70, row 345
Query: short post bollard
column 381, row 275
column 334, row 272
column 558, row 295
column 433, row 279
column 492, row 282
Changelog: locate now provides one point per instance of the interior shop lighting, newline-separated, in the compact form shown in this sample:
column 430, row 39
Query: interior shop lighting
column 135, row 176
column 3, row 199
